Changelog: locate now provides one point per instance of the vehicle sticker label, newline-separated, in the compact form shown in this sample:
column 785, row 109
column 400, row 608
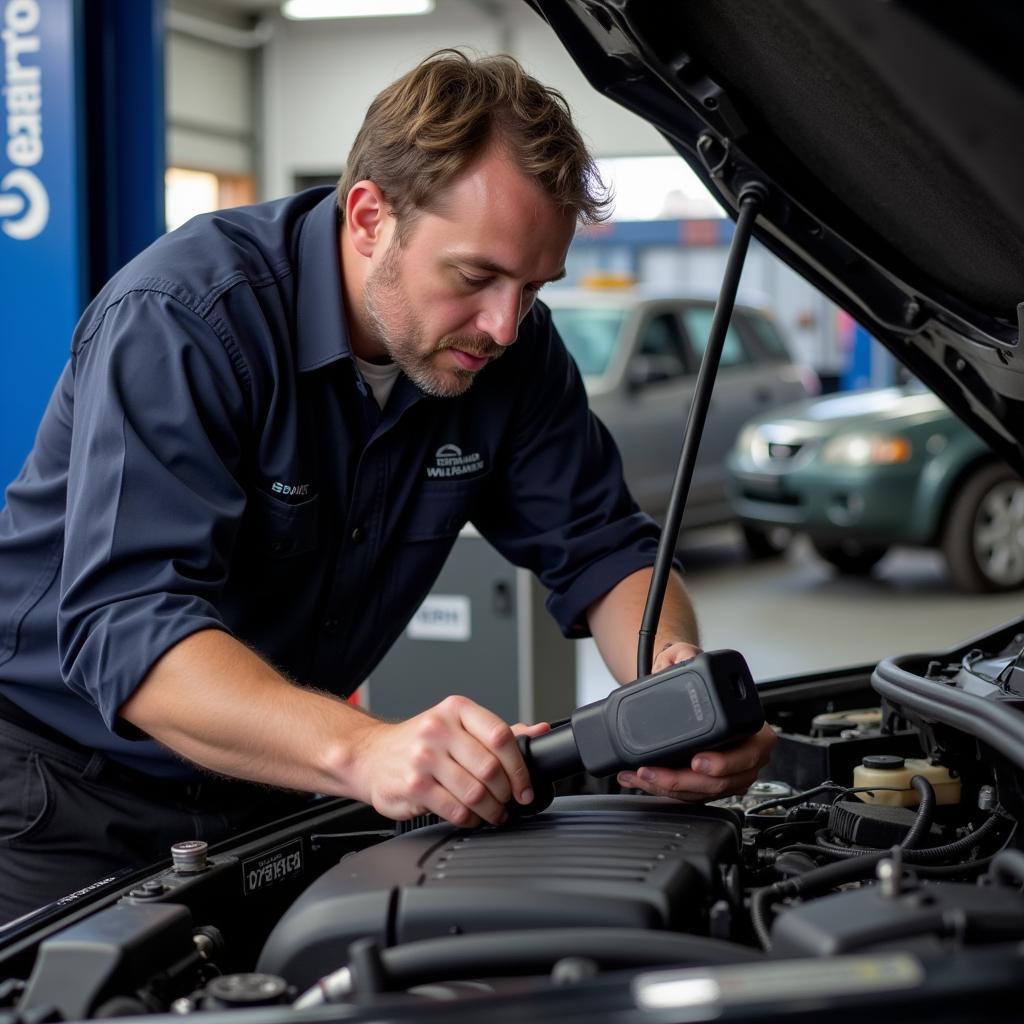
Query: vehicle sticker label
column 272, row 867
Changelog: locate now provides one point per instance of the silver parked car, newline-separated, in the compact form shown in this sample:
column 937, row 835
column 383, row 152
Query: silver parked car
column 639, row 351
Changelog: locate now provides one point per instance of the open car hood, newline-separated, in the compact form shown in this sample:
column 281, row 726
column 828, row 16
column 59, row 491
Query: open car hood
column 891, row 136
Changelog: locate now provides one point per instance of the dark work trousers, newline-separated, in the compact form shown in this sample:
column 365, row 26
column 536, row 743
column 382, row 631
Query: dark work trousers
column 70, row 816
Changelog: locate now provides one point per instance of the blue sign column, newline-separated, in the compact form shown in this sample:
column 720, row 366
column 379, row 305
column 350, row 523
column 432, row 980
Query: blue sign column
column 857, row 373
column 42, row 230
column 81, row 180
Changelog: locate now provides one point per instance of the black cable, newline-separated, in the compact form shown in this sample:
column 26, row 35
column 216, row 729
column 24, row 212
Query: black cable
column 967, row 868
column 760, row 903
column 762, row 839
column 956, row 848
column 811, row 848
column 798, row 798
column 812, row 883
column 795, row 798
column 925, row 812
column 859, row 863
column 930, row 853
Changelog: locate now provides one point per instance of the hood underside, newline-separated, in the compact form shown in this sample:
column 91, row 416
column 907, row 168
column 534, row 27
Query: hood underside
column 891, row 136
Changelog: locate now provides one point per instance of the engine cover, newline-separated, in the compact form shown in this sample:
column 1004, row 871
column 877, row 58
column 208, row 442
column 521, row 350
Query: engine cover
column 589, row 861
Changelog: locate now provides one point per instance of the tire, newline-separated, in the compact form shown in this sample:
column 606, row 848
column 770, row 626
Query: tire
column 761, row 543
column 983, row 537
column 850, row 556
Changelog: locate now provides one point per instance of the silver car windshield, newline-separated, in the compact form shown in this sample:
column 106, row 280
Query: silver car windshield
column 590, row 335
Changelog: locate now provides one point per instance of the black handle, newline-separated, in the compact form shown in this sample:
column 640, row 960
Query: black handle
column 709, row 701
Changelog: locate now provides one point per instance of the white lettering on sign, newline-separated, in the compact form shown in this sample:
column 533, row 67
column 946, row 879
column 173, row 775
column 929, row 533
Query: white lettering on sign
column 272, row 867
column 24, row 203
column 441, row 617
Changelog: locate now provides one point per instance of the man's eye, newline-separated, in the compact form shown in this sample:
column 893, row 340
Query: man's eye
column 532, row 289
column 473, row 282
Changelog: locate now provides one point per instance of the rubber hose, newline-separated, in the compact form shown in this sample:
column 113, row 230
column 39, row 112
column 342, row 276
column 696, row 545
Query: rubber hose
column 913, row 856
column 925, row 812
column 760, row 903
column 812, row 883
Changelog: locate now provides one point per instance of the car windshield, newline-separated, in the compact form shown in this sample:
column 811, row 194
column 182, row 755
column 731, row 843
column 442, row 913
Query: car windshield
column 591, row 336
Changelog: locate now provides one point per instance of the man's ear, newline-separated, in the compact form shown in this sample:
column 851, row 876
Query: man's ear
column 366, row 217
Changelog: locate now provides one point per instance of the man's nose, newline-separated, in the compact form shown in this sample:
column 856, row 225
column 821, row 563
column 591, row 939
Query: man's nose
column 500, row 317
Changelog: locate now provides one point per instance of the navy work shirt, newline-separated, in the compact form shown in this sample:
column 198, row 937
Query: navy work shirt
column 212, row 458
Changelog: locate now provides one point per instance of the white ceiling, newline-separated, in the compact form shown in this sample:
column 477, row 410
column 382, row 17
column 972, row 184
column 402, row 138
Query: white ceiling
column 262, row 6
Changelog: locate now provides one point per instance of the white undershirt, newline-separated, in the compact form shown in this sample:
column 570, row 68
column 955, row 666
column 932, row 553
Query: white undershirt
column 380, row 376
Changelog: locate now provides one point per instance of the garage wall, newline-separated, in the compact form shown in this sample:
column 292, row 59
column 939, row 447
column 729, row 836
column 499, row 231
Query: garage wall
column 319, row 77
column 209, row 95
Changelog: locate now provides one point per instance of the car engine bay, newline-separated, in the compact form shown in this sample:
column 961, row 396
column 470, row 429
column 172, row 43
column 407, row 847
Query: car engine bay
column 885, row 826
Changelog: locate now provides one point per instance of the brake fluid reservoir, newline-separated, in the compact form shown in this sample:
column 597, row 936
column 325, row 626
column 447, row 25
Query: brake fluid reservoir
column 888, row 770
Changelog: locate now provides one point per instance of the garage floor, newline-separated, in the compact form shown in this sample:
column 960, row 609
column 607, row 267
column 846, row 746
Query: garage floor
column 795, row 614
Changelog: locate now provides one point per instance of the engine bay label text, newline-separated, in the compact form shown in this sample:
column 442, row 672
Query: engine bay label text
column 272, row 867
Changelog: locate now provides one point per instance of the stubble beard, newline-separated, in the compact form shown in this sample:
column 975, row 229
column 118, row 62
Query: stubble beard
column 393, row 324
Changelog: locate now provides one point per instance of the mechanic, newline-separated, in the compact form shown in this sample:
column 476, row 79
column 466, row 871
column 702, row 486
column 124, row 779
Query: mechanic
column 273, row 424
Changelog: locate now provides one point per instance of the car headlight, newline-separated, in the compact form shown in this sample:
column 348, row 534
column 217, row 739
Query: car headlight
column 866, row 450
column 745, row 441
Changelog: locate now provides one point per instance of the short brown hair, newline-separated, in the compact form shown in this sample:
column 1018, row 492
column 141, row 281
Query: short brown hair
column 426, row 128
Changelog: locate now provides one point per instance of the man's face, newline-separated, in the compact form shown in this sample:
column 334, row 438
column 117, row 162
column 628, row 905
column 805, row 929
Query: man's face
column 449, row 298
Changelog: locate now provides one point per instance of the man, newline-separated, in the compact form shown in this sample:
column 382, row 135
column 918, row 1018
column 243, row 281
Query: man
column 234, row 502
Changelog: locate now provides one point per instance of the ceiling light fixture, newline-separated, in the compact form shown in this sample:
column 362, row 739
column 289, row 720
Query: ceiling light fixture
column 302, row 10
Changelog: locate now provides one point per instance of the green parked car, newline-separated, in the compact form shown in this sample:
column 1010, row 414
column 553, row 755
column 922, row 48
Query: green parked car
column 861, row 471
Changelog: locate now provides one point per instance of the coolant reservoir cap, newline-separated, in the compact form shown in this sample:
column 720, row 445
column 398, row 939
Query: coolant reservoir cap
column 884, row 762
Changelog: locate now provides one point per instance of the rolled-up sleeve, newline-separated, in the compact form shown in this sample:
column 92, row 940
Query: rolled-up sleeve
column 560, row 506
column 153, row 498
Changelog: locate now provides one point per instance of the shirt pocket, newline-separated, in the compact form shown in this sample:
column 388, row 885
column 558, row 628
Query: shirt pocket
column 440, row 508
column 281, row 531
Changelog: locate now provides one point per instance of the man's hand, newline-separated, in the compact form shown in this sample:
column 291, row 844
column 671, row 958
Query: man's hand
column 711, row 775
column 674, row 654
column 457, row 760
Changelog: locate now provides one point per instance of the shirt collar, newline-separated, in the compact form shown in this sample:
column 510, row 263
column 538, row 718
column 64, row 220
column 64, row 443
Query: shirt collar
column 320, row 329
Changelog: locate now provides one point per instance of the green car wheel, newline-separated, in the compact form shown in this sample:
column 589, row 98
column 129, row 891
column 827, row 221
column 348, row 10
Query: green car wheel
column 983, row 540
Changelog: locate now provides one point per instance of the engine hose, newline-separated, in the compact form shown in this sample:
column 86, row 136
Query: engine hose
column 1007, row 867
column 859, row 863
column 530, row 951
column 760, row 904
column 925, row 812
column 812, row 883
column 960, row 846
column 965, row 869
column 929, row 853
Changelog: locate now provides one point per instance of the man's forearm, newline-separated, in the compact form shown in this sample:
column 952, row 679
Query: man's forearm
column 615, row 621
column 215, row 702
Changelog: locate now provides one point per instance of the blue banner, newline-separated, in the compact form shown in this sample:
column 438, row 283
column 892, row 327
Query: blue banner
column 41, row 216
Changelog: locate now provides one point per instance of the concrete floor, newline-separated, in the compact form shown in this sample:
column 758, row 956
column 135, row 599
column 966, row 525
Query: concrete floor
column 796, row 614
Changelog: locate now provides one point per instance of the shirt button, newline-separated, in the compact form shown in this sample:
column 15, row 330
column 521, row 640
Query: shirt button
column 330, row 626
column 358, row 535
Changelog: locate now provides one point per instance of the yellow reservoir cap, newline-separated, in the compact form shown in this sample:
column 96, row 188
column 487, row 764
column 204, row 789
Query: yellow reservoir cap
column 944, row 782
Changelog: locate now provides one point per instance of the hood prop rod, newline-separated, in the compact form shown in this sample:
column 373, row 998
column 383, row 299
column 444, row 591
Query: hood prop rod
column 751, row 198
